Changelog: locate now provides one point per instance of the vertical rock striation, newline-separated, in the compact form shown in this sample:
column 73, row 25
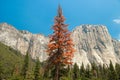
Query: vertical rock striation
column 93, row 43
column 24, row 41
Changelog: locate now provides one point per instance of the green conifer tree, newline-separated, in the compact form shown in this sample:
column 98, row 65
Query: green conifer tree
column 69, row 73
column 82, row 71
column 25, row 66
column 100, row 72
column 117, row 68
column 87, row 72
column 94, row 70
column 76, row 72
column 112, row 73
column 105, row 72
column 36, row 71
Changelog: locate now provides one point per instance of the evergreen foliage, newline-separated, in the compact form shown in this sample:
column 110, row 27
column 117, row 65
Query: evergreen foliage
column 14, row 66
column 11, row 62
column 117, row 68
column 76, row 72
column 36, row 71
column 25, row 66
column 112, row 73
column 88, row 72
column 11, row 66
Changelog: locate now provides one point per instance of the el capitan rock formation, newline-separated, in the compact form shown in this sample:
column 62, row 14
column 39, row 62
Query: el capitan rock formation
column 93, row 43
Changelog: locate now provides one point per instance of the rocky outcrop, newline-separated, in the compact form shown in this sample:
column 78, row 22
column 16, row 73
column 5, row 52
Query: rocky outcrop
column 24, row 41
column 93, row 43
column 116, row 45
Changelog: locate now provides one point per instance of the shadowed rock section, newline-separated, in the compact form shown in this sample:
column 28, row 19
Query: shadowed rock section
column 93, row 43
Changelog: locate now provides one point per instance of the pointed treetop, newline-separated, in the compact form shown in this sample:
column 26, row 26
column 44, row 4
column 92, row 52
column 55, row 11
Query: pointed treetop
column 59, row 11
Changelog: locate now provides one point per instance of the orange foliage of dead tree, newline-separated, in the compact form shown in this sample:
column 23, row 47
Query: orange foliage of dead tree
column 60, row 47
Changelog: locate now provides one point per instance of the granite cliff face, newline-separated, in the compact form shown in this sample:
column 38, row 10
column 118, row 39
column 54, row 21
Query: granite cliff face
column 24, row 41
column 93, row 43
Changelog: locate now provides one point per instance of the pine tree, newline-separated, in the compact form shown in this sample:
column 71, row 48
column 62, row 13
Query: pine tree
column 69, row 73
column 76, row 72
column 87, row 72
column 100, row 72
column 94, row 69
column 36, row 71
column 60, row 47
column 112, row 73
column 105, row 72
column 25, row 66
column 117, row 68
column 82, row 72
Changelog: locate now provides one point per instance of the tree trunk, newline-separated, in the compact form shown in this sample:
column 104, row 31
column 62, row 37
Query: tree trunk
column 57, row 68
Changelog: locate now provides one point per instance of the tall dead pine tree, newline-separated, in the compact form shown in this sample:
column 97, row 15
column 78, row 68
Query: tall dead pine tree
column 60, row 47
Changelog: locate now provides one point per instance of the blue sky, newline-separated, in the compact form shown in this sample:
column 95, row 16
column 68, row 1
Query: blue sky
column 37, row 16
